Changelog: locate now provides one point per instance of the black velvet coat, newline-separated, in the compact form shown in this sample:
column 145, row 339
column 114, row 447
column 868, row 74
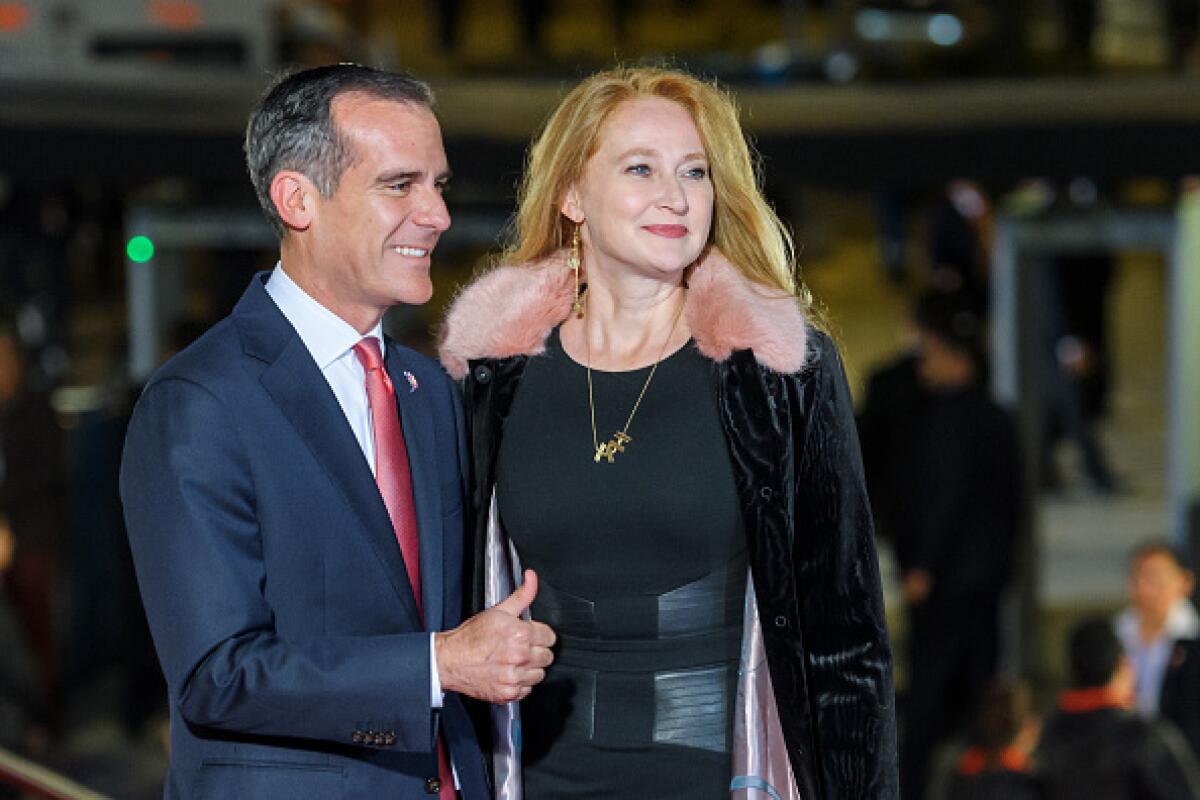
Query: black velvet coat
column 794, row 450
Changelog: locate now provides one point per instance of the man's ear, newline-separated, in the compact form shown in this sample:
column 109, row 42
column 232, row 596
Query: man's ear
column 570, row 205
column 294, row 196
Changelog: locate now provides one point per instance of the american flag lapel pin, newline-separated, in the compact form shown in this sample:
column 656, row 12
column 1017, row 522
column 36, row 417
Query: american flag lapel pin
column 412, row 381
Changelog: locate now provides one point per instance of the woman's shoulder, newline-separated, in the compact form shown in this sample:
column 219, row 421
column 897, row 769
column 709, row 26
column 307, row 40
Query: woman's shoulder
column 728, row 312
column 507, row 311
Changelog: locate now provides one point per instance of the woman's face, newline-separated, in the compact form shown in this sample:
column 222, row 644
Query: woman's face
column 645, row 197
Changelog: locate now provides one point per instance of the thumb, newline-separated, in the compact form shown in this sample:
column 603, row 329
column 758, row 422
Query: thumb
column 522, row 598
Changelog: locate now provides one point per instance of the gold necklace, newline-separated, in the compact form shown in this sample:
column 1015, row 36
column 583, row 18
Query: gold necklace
column 621, row 438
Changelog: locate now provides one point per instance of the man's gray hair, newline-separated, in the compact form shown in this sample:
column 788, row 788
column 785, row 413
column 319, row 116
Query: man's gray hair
column 292, row 126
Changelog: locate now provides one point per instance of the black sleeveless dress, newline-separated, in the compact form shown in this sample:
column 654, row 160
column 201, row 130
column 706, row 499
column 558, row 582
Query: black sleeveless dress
column 642, row 573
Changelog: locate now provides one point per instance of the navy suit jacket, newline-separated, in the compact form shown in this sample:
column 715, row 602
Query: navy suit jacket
column 296, row 662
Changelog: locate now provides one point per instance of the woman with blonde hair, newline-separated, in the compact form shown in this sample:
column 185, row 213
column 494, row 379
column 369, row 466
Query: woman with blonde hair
column 660, row 433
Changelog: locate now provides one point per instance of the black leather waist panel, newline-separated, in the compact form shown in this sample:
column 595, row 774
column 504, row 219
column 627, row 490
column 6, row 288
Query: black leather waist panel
column 711, row 603
column 632, row 710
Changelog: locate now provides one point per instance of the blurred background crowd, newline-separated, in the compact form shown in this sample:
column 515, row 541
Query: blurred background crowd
column 998, row 212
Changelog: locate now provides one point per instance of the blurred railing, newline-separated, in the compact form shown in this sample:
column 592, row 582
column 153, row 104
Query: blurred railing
column 37, row 781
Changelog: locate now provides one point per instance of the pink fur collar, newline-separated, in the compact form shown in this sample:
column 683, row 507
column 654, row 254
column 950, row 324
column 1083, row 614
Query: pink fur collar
column 511, row 310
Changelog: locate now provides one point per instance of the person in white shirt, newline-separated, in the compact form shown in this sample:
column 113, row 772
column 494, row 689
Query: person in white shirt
column 1159, row 615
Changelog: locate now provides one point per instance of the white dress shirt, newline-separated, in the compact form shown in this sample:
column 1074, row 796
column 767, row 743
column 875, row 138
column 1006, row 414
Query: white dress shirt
column 330, row 341
column 1149, row 660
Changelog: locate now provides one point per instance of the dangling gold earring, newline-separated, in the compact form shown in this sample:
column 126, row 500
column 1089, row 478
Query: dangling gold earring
column 574, row 264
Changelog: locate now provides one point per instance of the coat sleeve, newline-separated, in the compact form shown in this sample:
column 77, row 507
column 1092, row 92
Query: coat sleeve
column 1166, row 766
column 843, row 626
column 190, row 510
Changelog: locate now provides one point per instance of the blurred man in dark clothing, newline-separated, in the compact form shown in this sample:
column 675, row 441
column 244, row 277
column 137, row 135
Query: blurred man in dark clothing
column 20, row 695
column 31, row 503
column 894, row 399
column 960, row 223
column 1179, row 702
column 1074, row 364
column 944, row 474
column 1085, row 281
column 996, row 766
column 1094, row 747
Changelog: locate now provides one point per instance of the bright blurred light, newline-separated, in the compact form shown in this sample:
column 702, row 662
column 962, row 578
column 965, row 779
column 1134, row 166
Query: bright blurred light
column 841, row 66
column 873, row 24
column 945, row 30
column 180, row 15
column 13, row 17
column 140, row 249
column 774, row 57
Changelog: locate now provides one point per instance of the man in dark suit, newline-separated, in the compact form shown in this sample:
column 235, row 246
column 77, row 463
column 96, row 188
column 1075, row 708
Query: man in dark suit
column 945, row 481
column 293, row 485
column 1180, row 699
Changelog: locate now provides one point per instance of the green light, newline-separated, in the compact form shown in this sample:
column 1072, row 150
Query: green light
column 140, row 249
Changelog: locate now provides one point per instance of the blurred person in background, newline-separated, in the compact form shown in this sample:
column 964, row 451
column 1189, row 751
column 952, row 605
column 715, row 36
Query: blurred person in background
column 894, row 397
column 32, row 499
column 1179, row 701
column 1094, row 747
column 1159, row 613
column 21, row 694
column 1158, row 632
column 1073, row 361
column 38, row 228
column 1084, row 283
column 1078, row 381
column 997, row 764
column 947, row 477
column 655, row 419
column 960, row 232
column 958, row 237
column 891, row 207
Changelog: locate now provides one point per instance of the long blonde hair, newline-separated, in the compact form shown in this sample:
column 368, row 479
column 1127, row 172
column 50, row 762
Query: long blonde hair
column 744, row 227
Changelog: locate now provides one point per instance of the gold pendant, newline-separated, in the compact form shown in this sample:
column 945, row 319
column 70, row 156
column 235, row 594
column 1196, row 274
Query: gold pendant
column 613, row 446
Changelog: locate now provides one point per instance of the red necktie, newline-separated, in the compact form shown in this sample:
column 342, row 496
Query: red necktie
column 391, row 460
column 395, row 484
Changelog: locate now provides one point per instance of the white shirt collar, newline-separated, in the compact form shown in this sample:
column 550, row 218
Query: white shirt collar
column 327, row 336
column 1182, row 623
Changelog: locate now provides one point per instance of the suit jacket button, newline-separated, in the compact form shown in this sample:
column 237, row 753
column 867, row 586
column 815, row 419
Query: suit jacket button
column 483, row 374
column 781, row 621
column 358, row 737
column 433, row 786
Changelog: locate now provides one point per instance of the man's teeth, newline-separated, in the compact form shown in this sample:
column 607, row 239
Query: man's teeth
column 415, row 252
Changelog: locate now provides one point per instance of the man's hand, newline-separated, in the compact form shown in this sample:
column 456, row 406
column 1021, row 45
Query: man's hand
column 495, row 655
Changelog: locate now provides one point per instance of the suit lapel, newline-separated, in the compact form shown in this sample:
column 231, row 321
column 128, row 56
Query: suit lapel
column 297, row 386
column 416, row 418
